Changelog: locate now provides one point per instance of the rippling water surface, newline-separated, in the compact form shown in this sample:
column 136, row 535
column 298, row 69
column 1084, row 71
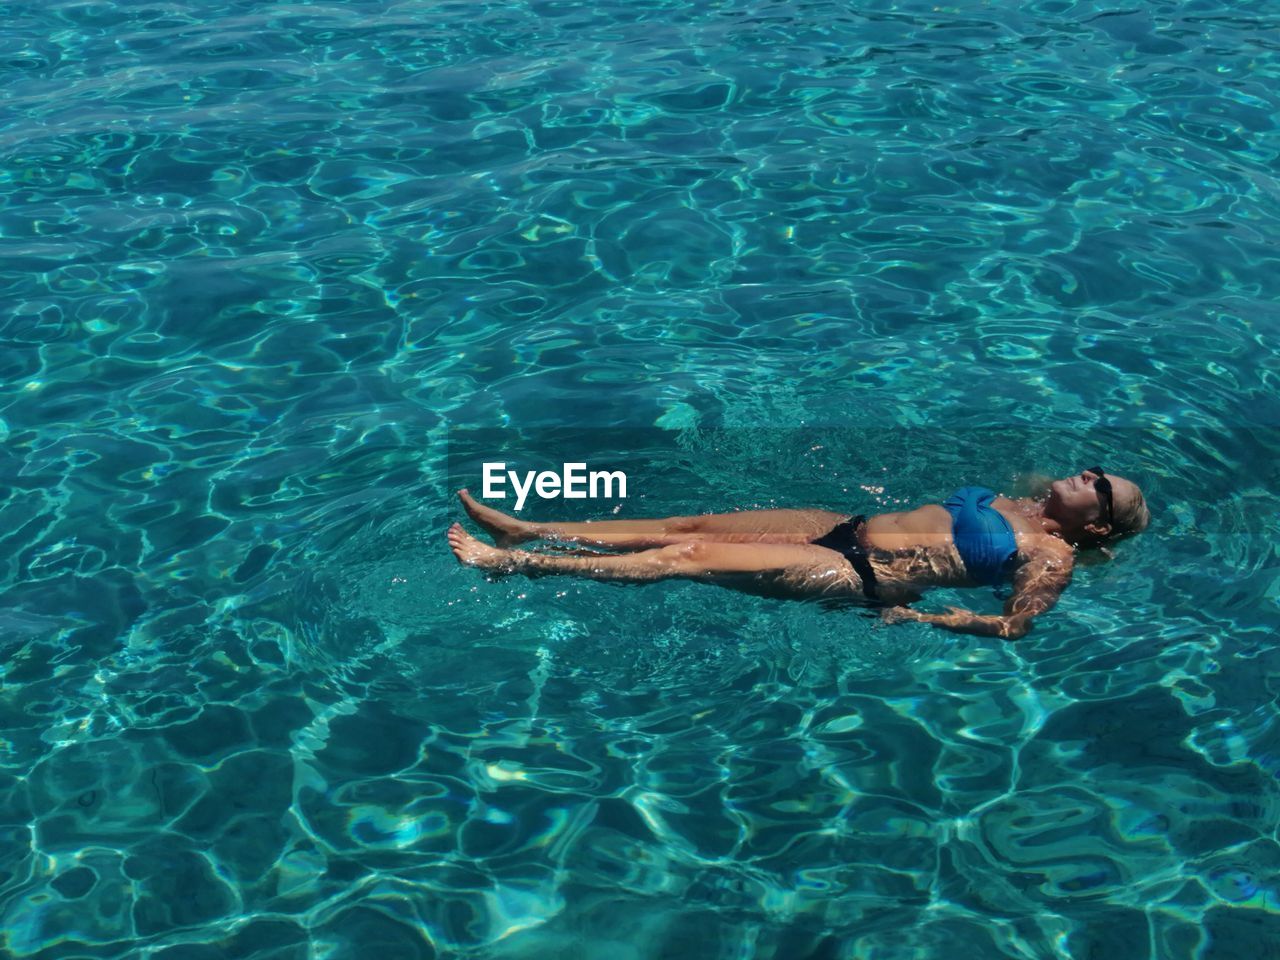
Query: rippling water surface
column 276, row 278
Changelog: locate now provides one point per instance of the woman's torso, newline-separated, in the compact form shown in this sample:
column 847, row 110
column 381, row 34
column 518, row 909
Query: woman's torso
column 916, row 548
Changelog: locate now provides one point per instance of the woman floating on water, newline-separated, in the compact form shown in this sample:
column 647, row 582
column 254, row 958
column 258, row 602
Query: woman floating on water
column 973, row 538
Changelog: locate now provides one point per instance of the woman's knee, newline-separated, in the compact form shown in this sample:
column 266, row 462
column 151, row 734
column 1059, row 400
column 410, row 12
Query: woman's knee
column 683, row 525
column 682, row 556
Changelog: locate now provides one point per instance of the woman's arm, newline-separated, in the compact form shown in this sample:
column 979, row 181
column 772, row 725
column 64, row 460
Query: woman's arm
column 1036, row 587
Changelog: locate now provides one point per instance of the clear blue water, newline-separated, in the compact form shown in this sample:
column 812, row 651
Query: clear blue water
column 274, row 279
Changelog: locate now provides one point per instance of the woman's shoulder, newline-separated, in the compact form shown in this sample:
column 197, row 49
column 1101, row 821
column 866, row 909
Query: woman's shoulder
column 1036, row 545
column 1030, row 534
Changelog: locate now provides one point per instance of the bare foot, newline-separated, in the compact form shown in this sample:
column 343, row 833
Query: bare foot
column 506, row 530
column 472, row 553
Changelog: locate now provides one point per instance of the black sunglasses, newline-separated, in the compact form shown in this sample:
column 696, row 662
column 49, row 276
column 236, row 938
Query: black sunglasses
column 1103, row 486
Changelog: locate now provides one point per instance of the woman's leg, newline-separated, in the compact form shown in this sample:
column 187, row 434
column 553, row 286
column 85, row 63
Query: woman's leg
column 747, row 526
column 789, row 570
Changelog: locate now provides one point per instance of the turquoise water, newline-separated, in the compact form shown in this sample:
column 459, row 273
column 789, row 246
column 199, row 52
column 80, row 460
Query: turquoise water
column 275, row 279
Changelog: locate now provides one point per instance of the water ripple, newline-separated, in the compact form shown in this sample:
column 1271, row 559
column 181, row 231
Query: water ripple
column 263, row 273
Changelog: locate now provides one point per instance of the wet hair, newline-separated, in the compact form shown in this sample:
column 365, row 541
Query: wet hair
column 1126, row 520
column 1132, row 518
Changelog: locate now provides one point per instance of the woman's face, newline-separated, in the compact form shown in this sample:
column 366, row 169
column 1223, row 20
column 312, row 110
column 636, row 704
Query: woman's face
column 1076, row 501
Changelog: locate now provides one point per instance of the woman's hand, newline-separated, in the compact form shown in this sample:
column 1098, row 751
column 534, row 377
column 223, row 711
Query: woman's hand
column 952, row 617
column 962, row 621
column 899, row 615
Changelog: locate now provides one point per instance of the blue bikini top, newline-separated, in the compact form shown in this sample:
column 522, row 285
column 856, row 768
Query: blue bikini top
column 982, row 536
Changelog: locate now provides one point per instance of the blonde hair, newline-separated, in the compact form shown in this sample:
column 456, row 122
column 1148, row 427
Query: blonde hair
column 1132, row 518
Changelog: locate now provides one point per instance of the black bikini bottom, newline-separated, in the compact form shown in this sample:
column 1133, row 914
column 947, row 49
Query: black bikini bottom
column 843, row 539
